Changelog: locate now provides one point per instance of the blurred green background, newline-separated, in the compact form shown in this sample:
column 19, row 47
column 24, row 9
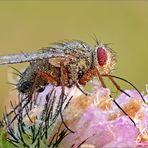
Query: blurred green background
column 29, row 25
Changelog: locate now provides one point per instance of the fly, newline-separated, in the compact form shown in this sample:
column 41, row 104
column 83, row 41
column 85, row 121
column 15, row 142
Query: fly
column 78, row 60
column 66, row 63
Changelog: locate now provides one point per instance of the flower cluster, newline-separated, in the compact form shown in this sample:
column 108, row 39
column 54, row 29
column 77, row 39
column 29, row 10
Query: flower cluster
column 96, row 120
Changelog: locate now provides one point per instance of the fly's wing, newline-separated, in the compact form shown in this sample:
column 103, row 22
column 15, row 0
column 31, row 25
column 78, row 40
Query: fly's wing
column 64, row 51
column 27, row 57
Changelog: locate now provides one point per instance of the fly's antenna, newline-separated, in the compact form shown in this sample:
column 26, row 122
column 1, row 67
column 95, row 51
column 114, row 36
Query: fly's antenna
column 113, row 76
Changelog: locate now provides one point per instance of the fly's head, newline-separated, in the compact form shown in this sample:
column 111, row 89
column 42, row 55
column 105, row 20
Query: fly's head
column 104, row 58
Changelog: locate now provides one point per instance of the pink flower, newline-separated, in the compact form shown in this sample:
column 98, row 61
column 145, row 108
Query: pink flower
column 97, row 121
column 106, row 127
column 142, row 145
column 96, row 129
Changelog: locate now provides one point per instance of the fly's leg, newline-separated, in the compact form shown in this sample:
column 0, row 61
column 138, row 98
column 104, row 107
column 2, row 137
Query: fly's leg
column 87, row 76
column 47, row 77
column 117, row 86
column 116, row 77
column 64, row 75
column 63, row 79
column 101, row 79
column 103, row 84
column 78, row 86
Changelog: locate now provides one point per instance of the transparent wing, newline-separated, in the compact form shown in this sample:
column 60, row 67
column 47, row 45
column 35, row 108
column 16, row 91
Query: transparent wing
column 27, row 57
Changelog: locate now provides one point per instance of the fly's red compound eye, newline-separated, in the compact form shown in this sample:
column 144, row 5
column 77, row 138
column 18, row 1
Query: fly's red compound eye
column 102, row 56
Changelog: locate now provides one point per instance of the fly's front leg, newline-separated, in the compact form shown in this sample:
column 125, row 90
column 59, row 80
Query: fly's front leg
column 117, row 86
column 94, row 71
column 87, row 76
column 103, row 84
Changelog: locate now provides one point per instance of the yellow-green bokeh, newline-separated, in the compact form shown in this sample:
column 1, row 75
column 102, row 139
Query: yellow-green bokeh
column 29, row 25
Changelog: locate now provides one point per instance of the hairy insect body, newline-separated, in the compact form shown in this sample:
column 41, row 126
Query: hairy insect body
column 66, row 63
column 79, row 61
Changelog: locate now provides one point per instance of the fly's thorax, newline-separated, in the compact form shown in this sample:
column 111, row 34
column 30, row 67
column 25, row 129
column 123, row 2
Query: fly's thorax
column 78, row 58
column 104, row 59
column 82, row 63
